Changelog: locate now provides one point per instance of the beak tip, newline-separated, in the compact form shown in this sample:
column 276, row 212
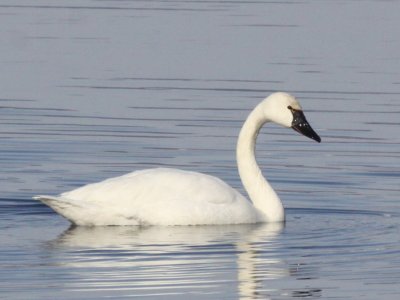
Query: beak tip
column 310, row 133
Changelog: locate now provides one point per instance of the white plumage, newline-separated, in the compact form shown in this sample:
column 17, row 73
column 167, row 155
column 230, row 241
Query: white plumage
column 164, row 196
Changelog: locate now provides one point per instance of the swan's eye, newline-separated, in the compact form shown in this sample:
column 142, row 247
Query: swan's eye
column 293, row 110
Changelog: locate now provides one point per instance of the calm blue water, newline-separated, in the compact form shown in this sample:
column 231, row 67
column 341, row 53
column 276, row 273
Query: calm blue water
column 95, row 89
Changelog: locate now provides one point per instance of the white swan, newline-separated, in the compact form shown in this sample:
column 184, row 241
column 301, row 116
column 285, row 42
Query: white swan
column 165, row 196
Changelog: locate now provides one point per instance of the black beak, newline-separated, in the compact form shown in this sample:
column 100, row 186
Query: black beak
column 301, row 125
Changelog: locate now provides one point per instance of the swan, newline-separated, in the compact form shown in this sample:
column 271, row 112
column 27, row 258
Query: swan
column 164, row 196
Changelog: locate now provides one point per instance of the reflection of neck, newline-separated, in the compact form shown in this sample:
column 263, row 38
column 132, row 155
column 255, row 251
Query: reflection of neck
column 248, row 285
column 250, row 265
column 259, row 190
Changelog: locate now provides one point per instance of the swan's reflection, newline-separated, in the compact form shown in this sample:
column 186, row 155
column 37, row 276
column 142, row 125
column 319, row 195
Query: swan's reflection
column 256, row 264
column 180, row 258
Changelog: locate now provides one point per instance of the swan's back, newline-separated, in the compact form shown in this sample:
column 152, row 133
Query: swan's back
column 157, row 197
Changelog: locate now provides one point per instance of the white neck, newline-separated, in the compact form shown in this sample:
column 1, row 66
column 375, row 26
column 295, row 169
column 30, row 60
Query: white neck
column 259, row 190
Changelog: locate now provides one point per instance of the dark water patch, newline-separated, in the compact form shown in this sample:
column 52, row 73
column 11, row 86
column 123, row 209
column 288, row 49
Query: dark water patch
column 29, row 109
column 197, row 80
column 23, row 207
column 335, row 211
column 108, row 8
column 171, row 88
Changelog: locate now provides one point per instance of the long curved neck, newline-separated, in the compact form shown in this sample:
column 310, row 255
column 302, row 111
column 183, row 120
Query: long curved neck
column 259, row 190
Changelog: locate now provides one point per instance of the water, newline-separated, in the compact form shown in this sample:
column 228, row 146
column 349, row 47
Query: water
column 95, row 89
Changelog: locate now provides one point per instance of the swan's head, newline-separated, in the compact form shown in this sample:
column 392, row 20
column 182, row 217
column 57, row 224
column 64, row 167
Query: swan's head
column 285, row 110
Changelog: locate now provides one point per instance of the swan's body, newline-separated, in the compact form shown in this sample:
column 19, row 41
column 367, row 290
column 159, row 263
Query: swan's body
column 174, row 197
column 158, row 197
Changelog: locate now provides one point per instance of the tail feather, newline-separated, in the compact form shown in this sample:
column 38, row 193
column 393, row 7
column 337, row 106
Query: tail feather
column 74, row 211
column 88, row 213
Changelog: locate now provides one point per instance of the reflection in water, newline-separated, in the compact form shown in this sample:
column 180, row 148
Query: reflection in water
column 131, row 237
column 253, row 270
column 182, row 259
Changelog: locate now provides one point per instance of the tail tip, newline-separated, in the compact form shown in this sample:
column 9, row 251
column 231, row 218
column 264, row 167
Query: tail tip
column 43, row 198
